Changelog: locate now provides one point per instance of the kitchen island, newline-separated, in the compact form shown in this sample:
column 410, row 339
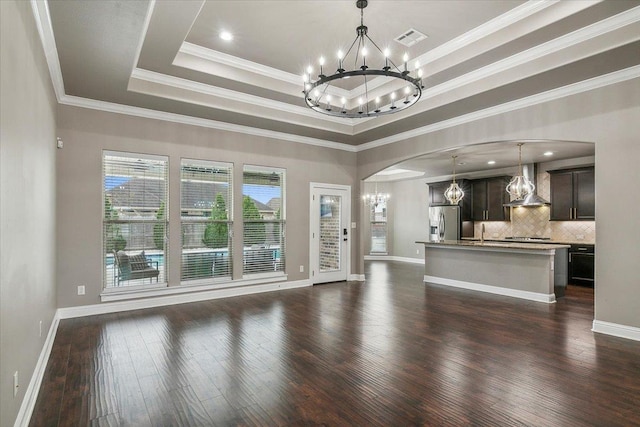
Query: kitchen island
column 532, row 271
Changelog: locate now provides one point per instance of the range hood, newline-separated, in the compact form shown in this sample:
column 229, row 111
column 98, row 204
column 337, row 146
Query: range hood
column 529, row 171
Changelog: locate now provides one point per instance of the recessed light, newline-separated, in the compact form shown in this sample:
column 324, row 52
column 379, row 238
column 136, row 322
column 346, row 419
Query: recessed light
column 491, row 162
column 548, row 153
column 226, row 35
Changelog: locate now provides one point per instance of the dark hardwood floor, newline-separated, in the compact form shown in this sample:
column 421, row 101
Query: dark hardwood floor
column 391, row 352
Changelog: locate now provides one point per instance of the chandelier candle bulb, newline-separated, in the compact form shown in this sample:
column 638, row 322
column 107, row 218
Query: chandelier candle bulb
column 393, row 100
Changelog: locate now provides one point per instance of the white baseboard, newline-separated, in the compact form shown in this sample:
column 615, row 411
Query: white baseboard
column 616, row 330
column 31, row 394
column 393, row 258
column 114, row 307
column 531, row 296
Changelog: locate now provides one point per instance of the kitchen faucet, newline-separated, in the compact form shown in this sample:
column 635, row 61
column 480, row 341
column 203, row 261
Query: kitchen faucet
column 482, row 233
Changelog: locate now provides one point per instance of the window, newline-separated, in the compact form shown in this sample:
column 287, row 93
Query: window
column 379, row 227
column 206, row 216
column 263, row 216
column 135, row 219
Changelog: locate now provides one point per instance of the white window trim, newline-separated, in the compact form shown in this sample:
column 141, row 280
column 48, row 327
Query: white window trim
column 189, row 287
column 136, row 288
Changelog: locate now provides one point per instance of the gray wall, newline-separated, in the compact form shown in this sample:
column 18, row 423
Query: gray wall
column 27, row 202
column 407, row 217
column 607, row 116
column 411, row 218
column 87, row 133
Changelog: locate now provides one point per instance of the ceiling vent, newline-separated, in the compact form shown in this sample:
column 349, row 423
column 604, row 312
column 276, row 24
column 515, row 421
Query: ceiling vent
column 410, row 37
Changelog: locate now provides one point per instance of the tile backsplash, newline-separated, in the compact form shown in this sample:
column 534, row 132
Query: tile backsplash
column 534, row 221
column 527, row 222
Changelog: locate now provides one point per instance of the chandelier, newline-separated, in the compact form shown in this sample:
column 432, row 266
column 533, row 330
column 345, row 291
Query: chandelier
column 520, row 187
column 454, row 193
column 407, row 90
column 376, row 198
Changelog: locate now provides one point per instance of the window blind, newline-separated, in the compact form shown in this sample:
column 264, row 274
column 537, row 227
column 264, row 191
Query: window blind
column 206, row 201
column 135, row 220
column 263, row 216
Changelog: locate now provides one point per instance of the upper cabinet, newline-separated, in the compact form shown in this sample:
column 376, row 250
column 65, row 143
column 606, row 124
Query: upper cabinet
column 573, row 195
column 488, row 197
column 436, row 197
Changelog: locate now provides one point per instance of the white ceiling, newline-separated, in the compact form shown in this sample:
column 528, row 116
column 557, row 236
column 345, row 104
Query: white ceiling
column 163, row 59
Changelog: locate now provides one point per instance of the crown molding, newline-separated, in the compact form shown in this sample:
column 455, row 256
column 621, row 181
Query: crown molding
column 143, row 34
column 253, row 100
column 583, row 35
column 551, row 95
column 490, row 27
column 499, row 23
column 111, row 107
column 41, row 15
column 236, row 62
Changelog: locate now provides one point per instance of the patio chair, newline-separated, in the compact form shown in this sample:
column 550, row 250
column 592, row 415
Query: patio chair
column 131, row 267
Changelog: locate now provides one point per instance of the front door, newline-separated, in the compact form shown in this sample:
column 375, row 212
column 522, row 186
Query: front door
column 330, row 232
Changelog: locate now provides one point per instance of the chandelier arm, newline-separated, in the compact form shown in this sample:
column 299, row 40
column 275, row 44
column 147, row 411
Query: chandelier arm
column 380, row 50
column 351, row 47
column 360, row 45
column 366, row 94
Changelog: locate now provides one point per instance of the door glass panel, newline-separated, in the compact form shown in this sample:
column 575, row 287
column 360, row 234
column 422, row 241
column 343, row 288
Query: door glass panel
column 330, row 233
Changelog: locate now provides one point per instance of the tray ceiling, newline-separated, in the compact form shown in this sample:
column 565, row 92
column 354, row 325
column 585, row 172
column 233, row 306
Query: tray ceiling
column 166, row 57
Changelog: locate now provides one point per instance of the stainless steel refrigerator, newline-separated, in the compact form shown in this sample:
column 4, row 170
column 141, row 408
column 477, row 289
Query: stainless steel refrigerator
column 444, row 223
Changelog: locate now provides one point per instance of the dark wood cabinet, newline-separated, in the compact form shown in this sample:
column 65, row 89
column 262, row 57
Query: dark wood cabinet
column 581, row 265
column 488, row 197
column 436, row 193
column 573, row 195
column 436, row 197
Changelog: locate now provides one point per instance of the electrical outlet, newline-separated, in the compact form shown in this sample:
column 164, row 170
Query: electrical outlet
column 302, row 269
column 81, row 290
column 16, row 384
column 353, row 225
column 495, row 235
column 417, row 251
column 580, row 237
column 41, row 328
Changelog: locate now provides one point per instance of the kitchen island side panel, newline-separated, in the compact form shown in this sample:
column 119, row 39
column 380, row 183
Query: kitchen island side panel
column 512, row 270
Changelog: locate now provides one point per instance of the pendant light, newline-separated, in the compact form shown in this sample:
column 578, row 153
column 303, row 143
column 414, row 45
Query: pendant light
column 454, row 193
column 520, row 187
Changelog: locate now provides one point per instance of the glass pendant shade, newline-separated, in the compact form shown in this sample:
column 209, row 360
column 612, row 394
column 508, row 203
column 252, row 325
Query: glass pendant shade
column 520, row 187
column 454, row 193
